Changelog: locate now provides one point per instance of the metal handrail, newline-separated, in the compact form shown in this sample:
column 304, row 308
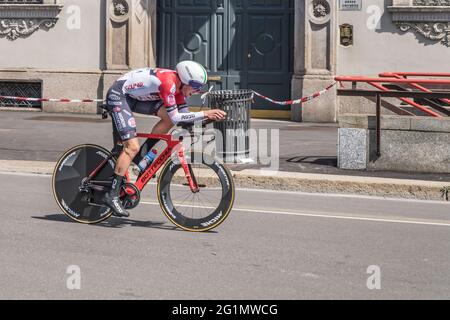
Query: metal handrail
column 390, row 80
column 415, row 74
column 401, row 75
column 393, row 78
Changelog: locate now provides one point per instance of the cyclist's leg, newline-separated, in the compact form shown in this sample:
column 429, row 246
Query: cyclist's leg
column 125, row 125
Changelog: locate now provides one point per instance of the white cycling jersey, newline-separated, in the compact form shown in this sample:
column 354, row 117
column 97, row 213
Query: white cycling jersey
column 153, row 84
column 142, row 84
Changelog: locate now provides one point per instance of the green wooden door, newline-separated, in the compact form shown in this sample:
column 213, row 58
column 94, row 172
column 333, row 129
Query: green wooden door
column 249, row 44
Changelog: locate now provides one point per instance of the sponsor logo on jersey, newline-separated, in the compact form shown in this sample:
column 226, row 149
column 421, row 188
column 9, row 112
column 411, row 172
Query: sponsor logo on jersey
column 134, row 86
column 188, row 117
column 171, row 100
column 122, row 120
column 153, row 97
column 173, row 90
column 114, row 97
column 132, row 123
column 117, row 122
column 126, row 137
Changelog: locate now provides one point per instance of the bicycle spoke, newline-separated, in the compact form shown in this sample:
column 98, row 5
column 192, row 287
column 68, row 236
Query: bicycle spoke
column 185, row 199
column 208, row 203
column 183, row 195
column 203, row 204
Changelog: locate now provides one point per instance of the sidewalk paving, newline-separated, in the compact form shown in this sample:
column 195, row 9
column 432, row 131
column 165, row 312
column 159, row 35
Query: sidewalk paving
column 308, row 155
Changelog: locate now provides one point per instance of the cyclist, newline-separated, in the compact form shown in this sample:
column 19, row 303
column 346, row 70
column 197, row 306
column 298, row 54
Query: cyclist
column 151, row 91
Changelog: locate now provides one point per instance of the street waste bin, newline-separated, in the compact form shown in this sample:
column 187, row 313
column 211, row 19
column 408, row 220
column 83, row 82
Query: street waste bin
column 234, row 147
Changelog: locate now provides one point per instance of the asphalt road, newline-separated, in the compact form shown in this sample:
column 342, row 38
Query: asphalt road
column 273, row 246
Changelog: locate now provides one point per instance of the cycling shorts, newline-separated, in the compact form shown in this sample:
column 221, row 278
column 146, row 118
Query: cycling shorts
column 122, row 108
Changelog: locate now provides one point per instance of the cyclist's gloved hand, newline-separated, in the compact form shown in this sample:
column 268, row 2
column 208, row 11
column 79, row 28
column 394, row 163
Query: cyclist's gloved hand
column 215, row 115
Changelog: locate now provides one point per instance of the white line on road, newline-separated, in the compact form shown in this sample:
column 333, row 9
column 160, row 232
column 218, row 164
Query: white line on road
column 324, row 215
column 25, row 174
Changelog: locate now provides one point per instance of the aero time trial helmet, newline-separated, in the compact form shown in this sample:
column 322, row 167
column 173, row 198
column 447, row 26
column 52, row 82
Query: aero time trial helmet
column 192, row 74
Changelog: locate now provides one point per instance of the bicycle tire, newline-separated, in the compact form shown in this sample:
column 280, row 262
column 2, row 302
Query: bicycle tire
column 74, row 166
column 217, row 216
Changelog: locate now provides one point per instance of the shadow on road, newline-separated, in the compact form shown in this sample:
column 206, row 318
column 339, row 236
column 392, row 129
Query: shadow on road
column 322, row 161
column 116, row 223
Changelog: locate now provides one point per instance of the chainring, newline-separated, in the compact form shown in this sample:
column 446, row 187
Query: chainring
column 130, row 196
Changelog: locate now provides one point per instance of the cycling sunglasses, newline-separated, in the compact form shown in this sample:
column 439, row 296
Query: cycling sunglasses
column 196, row 85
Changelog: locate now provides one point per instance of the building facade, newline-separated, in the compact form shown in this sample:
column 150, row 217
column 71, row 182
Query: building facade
column 282, row 48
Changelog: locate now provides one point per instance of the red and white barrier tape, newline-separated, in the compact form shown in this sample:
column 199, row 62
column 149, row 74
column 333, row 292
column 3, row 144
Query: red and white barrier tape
column 51, row 100
column 298, row 101
column 283, row 103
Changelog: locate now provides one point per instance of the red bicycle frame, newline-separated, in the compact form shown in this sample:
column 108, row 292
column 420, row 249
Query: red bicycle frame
column 172, row 146
column 149, row 173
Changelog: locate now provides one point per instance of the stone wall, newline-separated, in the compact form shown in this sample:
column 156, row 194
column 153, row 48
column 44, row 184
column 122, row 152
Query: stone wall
column 64, row 34
column 76, row 48
column 414, row 144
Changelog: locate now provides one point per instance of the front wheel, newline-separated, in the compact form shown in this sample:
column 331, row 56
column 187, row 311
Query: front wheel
column 200, row 211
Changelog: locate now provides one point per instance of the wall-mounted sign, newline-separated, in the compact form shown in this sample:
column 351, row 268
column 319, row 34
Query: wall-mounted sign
column 350, row 5
column 346, row 35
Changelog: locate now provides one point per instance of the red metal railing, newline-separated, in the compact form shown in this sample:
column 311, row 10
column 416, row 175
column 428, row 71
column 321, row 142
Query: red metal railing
column 416, row 74
column 405, row 75
column 400, row 78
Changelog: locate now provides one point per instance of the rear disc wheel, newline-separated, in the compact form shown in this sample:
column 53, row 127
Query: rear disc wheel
column 70, row 172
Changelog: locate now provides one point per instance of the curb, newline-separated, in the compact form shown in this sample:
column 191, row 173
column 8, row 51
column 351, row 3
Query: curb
column 322, row 183
column 293, row 181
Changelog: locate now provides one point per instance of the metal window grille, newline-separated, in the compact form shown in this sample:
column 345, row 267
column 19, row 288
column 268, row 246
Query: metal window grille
column 20, row 89
column 21, row 1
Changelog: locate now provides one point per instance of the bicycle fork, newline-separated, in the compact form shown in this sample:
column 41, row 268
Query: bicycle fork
column 187, row 168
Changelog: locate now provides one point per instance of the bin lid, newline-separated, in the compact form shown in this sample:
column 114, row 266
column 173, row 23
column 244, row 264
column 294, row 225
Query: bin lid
column 232, row 94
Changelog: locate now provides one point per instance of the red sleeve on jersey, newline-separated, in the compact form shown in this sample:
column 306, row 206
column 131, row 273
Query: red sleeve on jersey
column 180, row 99
column 169, row 89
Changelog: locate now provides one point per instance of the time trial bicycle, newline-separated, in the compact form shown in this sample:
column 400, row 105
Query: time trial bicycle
column 195, row 190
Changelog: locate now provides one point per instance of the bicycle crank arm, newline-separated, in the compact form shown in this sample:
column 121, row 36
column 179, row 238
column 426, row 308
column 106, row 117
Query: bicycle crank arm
column 98, row 188
column 101, row 183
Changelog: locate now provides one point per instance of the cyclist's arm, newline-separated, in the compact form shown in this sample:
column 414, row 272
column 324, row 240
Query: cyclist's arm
column 184, row 115
column 176, row 106
column 183, row 108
